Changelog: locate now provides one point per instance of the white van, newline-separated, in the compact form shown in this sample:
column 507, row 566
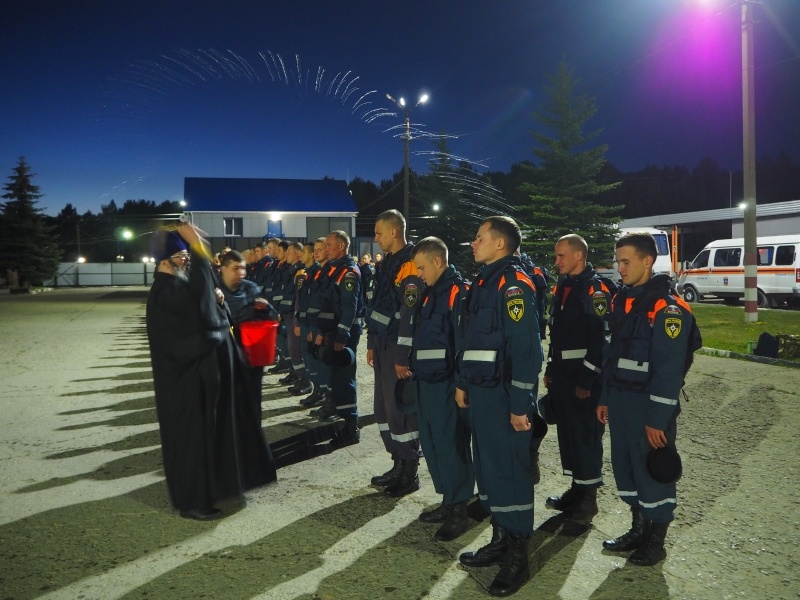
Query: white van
column 663, row 262
column 719, row 270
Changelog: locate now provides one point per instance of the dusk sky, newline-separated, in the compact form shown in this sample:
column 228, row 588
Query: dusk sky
column 122, row 99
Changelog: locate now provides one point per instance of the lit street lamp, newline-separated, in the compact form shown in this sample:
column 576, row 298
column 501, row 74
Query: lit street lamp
column 401, row 103
column 122, row 234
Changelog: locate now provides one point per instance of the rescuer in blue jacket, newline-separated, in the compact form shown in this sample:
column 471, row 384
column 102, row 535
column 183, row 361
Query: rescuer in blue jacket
column 578, row 328
column 302, row 330
column 498, row 369
column 653, row 338
column 340, row 327
column 389, row 320
column 443, row 426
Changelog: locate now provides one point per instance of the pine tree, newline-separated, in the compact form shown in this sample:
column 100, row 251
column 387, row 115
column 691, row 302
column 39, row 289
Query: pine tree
column 562, row 188
column 27, row 243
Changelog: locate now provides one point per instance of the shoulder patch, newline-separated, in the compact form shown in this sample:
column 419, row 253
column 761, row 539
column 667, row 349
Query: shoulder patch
column 672, row 326
column 513, row 291
column 600, row 303
column 515, row 308
column 350, row 279
column 410, row 294
column 672, row 310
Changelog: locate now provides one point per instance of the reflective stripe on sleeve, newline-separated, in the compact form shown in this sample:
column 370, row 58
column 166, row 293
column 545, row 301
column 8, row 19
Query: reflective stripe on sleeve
column 325, row 315
column 431, row 354
column 481, row 355
column 573, row 354
column 589, row 365
column 668, row 401
column 380, row 317
column 404, row 341
column 344, row 327
column 632, row 365
column 405, row 437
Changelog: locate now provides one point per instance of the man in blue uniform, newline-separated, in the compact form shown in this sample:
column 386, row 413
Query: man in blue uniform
column 443, row 425
column 653, row 338
column 578, row 329
column 340, row 328
column 389, row 321
column 498, row 370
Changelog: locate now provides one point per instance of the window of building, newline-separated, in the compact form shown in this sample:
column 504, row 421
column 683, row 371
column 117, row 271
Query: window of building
column 317, row 227
column 784, row 255
column 728, row 257
column 233, row 227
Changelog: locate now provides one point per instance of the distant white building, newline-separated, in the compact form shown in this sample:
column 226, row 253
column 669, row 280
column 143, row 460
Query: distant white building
column 242, row 212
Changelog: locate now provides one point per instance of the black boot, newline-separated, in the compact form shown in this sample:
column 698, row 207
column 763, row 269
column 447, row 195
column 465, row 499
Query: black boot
column 437, row 515
column 564, row 500
column 391, row 475
column 652, row 548
column 301, row 387
column 633, row 538
column 492, row 553
column 289, row 379
column 316, row 398
column 325, row 407
column 328, row 412
column 282, row 366
column 456, row 524
column 347, row 434
column 407, row 482
column 584, row 506
column 514, row 570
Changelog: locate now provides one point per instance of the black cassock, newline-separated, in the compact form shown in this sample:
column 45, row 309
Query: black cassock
column 212, row 442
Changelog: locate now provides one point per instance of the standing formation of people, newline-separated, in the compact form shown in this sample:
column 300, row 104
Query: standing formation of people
column 456, row 370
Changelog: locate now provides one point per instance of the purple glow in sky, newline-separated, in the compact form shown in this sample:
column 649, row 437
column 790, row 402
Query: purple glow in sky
column 122, row 100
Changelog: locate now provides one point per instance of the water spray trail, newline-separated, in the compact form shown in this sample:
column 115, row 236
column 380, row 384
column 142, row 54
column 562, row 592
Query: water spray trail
column 352, row 81
column 264, row 58
column 283, row 66
column 251, row 73
column 330, row 85
column 299, row 72
column 336, row 93
column 277, row 70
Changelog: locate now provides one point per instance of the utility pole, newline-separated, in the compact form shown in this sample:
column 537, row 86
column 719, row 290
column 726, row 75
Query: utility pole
column 749, row 166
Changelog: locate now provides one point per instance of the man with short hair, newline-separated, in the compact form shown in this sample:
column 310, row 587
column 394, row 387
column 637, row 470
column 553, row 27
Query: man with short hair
column 301, row 384
column 443, row 426
column 318, row 283
column 212, row 444
column 498, row 371
column 653, row 337
column 303, row 281
column 578, row 329
column 389, row 323
column 339, row 332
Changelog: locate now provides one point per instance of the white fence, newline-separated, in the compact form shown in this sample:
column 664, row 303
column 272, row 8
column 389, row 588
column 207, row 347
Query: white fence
column 100, row 274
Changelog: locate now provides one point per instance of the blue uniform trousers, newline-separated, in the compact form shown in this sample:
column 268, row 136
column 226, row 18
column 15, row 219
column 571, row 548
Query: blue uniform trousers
column 343, row 382
column 580, row 434
column 445, row 438
column 502, row 460
column 308, row 359
column 629, row 447
column 398, row 430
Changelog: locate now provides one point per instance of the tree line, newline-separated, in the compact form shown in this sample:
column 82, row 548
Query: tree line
column 569, row 187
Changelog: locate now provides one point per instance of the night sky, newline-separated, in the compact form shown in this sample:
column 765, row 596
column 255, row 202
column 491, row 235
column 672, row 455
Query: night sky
column 122, row 99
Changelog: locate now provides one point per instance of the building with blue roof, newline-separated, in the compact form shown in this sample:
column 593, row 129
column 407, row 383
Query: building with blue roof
column 241, row 212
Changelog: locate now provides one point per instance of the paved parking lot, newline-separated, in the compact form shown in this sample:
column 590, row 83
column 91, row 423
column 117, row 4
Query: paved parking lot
column 84, row 510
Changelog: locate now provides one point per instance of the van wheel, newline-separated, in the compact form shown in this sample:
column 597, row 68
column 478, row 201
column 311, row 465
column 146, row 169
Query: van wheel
column 764, row 301
column 690, row 294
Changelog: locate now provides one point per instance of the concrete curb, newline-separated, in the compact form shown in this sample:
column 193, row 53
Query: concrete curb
column 751, row 357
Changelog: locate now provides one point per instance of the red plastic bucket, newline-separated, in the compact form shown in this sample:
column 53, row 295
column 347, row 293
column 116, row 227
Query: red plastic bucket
column 259, row 339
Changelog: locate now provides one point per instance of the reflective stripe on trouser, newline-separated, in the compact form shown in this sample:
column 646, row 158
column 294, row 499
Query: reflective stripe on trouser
column 399, row 431
column 445, row 439
column 343, row 383
column 629, row 447
column 293, row 344
column 580, row 434
column 502, row 460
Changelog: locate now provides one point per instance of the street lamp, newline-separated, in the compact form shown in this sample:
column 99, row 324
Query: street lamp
column 122, row 234
column 401, row 103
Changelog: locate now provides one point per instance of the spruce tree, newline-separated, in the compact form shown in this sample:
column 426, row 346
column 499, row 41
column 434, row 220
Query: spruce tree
column 563, row 185
column 27, row 244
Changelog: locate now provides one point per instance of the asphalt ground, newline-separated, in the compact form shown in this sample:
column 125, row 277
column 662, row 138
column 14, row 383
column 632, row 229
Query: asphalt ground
column 84, row 510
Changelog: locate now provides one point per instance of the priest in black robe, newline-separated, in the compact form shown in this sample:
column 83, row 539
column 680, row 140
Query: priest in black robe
column 213, row 446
